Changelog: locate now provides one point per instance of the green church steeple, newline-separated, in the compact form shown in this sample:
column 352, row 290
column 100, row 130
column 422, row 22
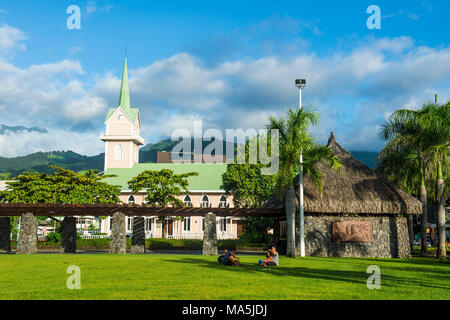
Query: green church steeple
column 124, row 98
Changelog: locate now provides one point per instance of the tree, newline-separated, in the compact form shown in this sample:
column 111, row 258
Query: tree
column 295, row 137
column 5, row 175
column 63, row 186
column 436, row 118
column 417, row 146
column 162, row 188
column 250, row 188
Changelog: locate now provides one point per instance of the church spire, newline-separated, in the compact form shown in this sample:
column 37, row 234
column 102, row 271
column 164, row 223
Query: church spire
column 124, row 99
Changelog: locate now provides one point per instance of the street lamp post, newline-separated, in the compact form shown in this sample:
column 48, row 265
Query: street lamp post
column 300, row 84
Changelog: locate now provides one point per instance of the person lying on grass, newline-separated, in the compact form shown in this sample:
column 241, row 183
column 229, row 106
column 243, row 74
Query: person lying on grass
column 272, row 258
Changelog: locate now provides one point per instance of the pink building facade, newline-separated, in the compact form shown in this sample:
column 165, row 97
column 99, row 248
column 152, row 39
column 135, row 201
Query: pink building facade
column 122, row 141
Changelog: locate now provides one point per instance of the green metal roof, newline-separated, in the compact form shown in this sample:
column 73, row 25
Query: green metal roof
column 209, row 174
column 132, row 113
column 124, row 97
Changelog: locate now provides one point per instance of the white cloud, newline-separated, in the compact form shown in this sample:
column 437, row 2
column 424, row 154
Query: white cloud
column 354, row 91
column 56, row 140
column 11, row 39
column 74, row 50
column 93, row 7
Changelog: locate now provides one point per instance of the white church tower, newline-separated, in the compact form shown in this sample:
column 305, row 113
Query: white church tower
column 123, row 125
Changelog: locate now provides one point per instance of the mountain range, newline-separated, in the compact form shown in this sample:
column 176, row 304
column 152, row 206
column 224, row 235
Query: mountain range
column 4, row 129
column 39, row 161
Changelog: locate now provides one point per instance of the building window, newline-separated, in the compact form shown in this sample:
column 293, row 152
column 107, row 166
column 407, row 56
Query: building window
column 205, row 202
column 203, row 223
column 223, row 202
column 223, row 224
column 131, row 199
column 118, row 152
column 187, row 224
column 130, row 223
column 148, row 224
column 187, row 201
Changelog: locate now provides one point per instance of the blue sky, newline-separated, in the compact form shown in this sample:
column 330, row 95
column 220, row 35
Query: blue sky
column 230, row 64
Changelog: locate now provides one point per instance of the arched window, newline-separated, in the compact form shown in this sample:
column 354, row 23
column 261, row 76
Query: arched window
column 223, row 202
column 118, row 152
column 187, row 201
column 205, row 202
column 131, row 199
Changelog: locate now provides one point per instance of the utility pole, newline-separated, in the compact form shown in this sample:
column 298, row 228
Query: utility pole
column 300, row 84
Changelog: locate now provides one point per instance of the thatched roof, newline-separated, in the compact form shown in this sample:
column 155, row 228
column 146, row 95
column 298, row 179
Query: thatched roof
column 353, row 189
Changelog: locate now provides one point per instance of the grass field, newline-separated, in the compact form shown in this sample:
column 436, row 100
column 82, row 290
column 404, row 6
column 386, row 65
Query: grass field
column 154, row 276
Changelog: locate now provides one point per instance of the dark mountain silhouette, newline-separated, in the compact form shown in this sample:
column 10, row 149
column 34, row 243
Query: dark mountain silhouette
column 39, row 161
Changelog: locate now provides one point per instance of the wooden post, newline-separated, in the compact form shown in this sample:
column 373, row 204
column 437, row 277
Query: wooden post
column 27, row 243
column 118, row 244
column 69, row 235
column 5, row 231
column 210, row 235
column 138, row 239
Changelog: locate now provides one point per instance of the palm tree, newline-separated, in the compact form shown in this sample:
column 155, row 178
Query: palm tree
column 405, row 175
column 437, row 119
column 294, row 137
column 417, row 141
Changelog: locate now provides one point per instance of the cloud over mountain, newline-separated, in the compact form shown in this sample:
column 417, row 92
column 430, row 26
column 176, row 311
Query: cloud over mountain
column 354, row 90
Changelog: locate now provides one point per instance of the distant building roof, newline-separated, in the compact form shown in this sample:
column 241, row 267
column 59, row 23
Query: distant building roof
column 209, row 174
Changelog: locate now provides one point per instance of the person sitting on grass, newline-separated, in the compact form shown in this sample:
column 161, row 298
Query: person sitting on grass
column 272, row 258
column 231, row 259
column 222, row 256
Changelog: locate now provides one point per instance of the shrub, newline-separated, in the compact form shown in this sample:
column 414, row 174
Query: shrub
column 54, row 237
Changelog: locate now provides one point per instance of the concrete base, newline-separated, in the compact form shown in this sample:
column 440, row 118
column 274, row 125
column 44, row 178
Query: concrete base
column 118, row 234
column 210, row 235
column 27, row 243
column 5, row 231
column 138, row 239
column 69, row 235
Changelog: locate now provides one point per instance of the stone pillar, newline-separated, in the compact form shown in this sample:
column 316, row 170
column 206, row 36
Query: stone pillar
column 5, row 231
column 210, row 235
column 27, row 243
column 118, row 243
column 138, row 239
column 69, row 235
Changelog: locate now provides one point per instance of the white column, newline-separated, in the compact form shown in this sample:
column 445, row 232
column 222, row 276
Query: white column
column 302, row 214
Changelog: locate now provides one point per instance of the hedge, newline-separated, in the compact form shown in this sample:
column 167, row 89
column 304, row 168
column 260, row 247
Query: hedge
column 154, row 244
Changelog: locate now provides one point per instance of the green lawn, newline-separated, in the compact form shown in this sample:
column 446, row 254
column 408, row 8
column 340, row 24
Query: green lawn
column 43, row 276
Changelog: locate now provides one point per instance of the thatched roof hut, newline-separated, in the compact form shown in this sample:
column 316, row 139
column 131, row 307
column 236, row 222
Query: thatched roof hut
column 353, row 189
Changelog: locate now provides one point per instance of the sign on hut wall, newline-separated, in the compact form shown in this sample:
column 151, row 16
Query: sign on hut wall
column 352, row 231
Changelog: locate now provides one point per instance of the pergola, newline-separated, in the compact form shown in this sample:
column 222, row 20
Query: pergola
column 135, row 210
column 27, row 239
